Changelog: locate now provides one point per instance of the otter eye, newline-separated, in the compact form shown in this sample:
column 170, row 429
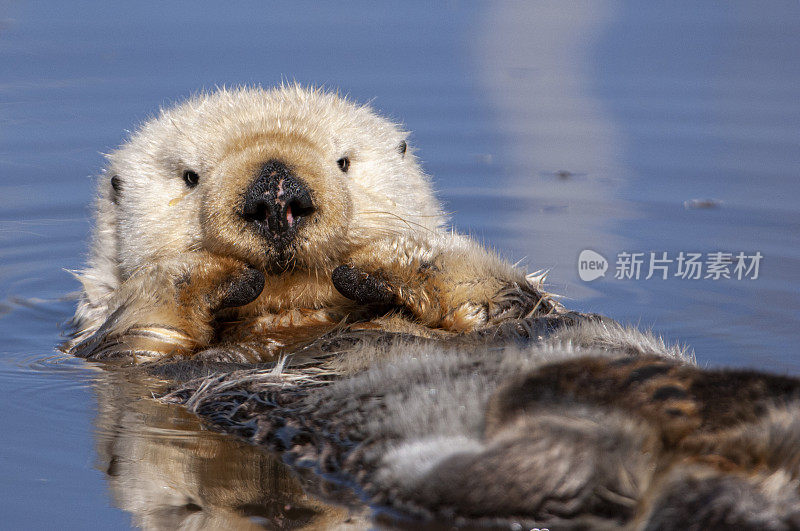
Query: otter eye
column 191, row 178
column 344, row 164
column 402, row 147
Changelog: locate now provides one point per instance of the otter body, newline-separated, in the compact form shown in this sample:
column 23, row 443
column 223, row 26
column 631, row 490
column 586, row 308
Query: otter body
column 247, row 219
column 244, row 224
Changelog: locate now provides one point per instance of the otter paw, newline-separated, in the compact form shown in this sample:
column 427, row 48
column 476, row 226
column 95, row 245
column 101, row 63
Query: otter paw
column 491, row 306
column 362, row 287
column 515, row 301
column 240, row 289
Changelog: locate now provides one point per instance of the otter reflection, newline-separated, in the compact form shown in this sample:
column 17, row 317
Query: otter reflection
column 164, row 468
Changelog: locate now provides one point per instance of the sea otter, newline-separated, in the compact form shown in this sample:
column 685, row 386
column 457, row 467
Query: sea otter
column 249, row 223
column 245, row 220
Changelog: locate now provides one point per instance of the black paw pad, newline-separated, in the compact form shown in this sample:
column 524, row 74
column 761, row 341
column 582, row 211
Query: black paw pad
column 361, row 287
column 242, row 289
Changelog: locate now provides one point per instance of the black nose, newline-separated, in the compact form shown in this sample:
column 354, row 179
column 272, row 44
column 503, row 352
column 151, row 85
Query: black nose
column 276, row 202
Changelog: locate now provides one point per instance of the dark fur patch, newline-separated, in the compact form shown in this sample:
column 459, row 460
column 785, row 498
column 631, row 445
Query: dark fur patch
column 645, row 373
column 669, row 391
column 623, row 362
column 116, row 188
column 183, row 280
column 729, row 397
column 426, row 267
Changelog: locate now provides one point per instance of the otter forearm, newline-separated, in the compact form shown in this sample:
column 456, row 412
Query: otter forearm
column 168, row 307
column 446, row 281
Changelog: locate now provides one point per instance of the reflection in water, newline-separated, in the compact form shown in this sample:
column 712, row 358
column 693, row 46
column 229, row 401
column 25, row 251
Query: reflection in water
column 170, row 473
column 614, row 115
column 560, row 146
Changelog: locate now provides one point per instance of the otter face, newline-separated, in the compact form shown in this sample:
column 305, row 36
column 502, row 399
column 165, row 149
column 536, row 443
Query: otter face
column 277, row 201
column 282, row 179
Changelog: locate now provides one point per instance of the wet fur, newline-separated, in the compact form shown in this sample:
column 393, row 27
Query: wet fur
column 594, row 425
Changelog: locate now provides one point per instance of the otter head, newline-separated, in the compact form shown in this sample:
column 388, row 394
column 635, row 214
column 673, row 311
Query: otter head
column 282, row 178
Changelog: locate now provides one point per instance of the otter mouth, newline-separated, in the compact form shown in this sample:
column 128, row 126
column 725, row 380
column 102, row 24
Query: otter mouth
column 283, row 263
column 277, row 203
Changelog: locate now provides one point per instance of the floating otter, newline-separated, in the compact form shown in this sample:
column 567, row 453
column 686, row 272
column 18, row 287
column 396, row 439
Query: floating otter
column 423, row 370
column 246, row 219
column 595, row 426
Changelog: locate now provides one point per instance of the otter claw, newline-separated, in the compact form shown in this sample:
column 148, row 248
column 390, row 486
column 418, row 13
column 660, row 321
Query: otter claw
column 362, row 287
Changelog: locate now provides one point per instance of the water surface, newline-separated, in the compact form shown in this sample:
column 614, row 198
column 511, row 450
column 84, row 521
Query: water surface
column 549, row 128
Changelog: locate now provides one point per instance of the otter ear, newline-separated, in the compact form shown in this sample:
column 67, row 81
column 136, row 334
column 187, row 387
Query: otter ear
column 116, row 188
column 402, row 148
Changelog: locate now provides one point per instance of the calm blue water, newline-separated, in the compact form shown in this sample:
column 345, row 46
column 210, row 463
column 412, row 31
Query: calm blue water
column 644, row 106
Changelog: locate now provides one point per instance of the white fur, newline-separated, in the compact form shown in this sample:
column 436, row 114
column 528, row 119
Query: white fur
column 157, row 216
